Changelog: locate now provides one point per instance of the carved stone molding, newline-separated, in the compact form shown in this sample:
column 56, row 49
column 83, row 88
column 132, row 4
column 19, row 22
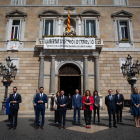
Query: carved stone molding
column 69, row 70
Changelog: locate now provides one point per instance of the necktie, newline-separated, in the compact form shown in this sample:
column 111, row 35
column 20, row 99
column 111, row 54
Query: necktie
column 62, row 97
column 14, row 95
column 41, row 96
column 110, row 97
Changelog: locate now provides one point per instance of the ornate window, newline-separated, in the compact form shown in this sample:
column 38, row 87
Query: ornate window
column 18, row 2
column 90, row 27
column 50, row 2
column 48, row 27
column 90, row 23
column 123, row 28
column 15, row 34
column 48, row 22
column 120, row 2
column 15, row 25
column 89, row 2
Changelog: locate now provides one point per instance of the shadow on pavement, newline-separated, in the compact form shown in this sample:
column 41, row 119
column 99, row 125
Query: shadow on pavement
column 54, row 124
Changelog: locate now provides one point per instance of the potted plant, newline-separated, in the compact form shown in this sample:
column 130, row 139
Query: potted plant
column 7, row 81
column 132, row 80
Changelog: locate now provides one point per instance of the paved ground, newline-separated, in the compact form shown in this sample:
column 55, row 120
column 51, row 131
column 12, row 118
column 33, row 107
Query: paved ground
column 25, row 130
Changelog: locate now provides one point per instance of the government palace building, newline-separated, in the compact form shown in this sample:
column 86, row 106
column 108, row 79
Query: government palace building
column 88, row 57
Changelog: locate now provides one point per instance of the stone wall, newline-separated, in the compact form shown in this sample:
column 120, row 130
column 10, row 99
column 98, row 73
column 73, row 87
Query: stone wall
column 27, row 78
column 110, row 76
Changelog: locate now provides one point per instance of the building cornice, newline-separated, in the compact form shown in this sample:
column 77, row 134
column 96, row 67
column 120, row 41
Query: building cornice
column 129, row 6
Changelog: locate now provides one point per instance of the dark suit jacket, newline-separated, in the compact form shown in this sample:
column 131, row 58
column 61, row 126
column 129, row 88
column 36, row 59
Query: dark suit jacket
column 111, row 104
column 121, row 99
column 61, row 102
column 17, row 99
column 38, row 98
column 96, row 101
column 77, row 102
column 52, row 100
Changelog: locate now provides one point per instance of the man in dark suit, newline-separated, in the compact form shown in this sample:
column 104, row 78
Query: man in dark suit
column 76, row 105
column 119, row 105
column 62, row 102
column 52, row 102
column 14, row 101
column 110, row 102
column 40, row 101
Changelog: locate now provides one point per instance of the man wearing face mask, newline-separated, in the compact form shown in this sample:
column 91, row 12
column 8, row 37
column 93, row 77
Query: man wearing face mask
column 14, row 101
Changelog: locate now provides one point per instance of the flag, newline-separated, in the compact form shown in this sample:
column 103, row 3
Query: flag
column 68, row 24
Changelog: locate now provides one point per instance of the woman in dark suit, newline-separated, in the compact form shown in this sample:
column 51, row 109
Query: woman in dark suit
column 96, row 105
column 135, row 106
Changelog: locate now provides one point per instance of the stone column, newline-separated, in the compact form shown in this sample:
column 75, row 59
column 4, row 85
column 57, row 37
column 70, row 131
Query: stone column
column 97, row 77
column 52, row 76
column 41, row 71
column 85, row 73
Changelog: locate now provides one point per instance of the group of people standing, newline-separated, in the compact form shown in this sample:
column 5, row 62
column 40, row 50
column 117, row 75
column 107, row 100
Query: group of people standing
column 88, row 103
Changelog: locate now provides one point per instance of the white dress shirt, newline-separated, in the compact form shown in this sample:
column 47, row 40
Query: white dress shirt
column 62, row 97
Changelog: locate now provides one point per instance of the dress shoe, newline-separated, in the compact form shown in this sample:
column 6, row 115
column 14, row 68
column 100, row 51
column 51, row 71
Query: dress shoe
column 115, row 126
column 89, row 126
column 37, row 127
column 10, row 128
column 86, row 126
column 78, row 121
column 60, row 127
column 14, row 127
column 42, row 127
column 109, row 126
column 64, row 127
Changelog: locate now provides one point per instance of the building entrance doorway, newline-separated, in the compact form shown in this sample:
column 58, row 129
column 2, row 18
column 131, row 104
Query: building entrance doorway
column 69, row 79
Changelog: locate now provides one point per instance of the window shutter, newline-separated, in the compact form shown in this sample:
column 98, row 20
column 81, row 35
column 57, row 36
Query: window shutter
column 44, row 27
column 53, row 27
column 96, row 27
column 119, row 30
column 9, row 29
column 82, row 27
column 128, row 29
column 85, row 27
column 41, row 28
column 77, row 27
column 92, row 28
column 22, row 29
column 24, row 2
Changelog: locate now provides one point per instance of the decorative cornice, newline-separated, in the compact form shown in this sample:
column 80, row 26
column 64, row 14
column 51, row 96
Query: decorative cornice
column 122, row 13
column 89, row 13
column 48, row 13
column 16, row 13
column 69, row 8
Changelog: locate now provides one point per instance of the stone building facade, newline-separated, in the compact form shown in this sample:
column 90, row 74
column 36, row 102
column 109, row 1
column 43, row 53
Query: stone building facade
column 109, row 21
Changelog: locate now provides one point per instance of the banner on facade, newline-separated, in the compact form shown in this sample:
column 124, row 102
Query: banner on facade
column 69, row 43
column 12, row 45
